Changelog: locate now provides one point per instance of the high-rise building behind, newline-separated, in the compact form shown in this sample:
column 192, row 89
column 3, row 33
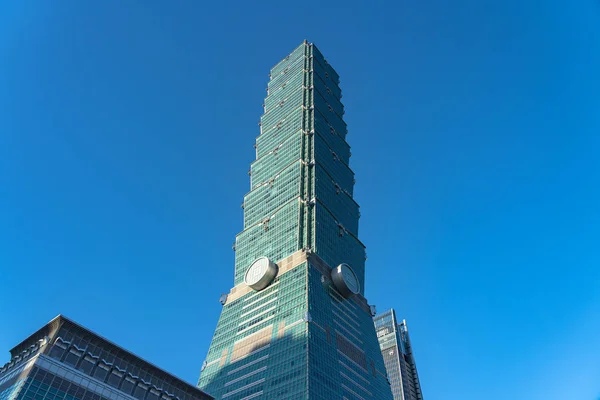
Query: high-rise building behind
column 65, row 361
column 296, row 325
column 398, row 356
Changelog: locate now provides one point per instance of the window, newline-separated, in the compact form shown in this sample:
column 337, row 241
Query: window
column 140, row 391
column 153, row 395
column 382, row 332
column 114, row 379
column 127, row 385
column 58, row 350
column 101, row 372
column 72, row 358
column 87, row 365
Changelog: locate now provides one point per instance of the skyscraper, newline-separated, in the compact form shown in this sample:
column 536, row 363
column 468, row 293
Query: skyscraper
column 65, row 361
column 398, row 356
column 296, row 325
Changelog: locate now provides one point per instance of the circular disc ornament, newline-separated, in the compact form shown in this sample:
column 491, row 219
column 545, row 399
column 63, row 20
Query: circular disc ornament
column 345, row 280
column 261, row 273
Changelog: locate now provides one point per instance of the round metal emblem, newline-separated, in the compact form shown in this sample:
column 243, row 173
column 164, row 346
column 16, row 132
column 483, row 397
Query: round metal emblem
column 345, row 280
column 261, row 273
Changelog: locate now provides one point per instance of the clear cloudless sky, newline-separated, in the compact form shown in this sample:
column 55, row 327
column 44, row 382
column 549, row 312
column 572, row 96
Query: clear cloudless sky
column 126, row 133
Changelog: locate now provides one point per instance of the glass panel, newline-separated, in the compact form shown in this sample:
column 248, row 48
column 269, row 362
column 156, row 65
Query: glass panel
column 114, row 379
column 87, row 365
column 72, row 359
column 57, row 352
column 140, row 392
column 127, row 386
column 100, row 373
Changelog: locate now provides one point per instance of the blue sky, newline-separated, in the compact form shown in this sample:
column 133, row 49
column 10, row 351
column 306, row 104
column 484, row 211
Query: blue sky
column 126, row 132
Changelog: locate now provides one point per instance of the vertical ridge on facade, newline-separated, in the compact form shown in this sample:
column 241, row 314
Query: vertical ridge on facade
column 296, row 324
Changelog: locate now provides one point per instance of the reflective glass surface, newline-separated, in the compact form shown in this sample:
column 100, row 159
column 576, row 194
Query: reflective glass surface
column 398, row 357
column 298, row 337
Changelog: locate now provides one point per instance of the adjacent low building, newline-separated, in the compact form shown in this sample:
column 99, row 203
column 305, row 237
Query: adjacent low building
column 65, row 361
column 398, row 356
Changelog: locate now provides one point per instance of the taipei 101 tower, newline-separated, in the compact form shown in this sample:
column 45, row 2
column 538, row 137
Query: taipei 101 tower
column 296, row 324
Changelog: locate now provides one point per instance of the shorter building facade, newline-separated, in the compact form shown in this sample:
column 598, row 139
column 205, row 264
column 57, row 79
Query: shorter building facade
column 65, row 361
column 398, row 356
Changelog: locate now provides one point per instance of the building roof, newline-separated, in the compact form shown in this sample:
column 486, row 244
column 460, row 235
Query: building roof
column 52, row 327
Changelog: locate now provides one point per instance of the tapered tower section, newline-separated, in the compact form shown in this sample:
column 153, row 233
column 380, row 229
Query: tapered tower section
column 296, row 325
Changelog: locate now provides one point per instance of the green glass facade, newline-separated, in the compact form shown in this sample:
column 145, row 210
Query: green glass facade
column 304, row 335
column 398, row 356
